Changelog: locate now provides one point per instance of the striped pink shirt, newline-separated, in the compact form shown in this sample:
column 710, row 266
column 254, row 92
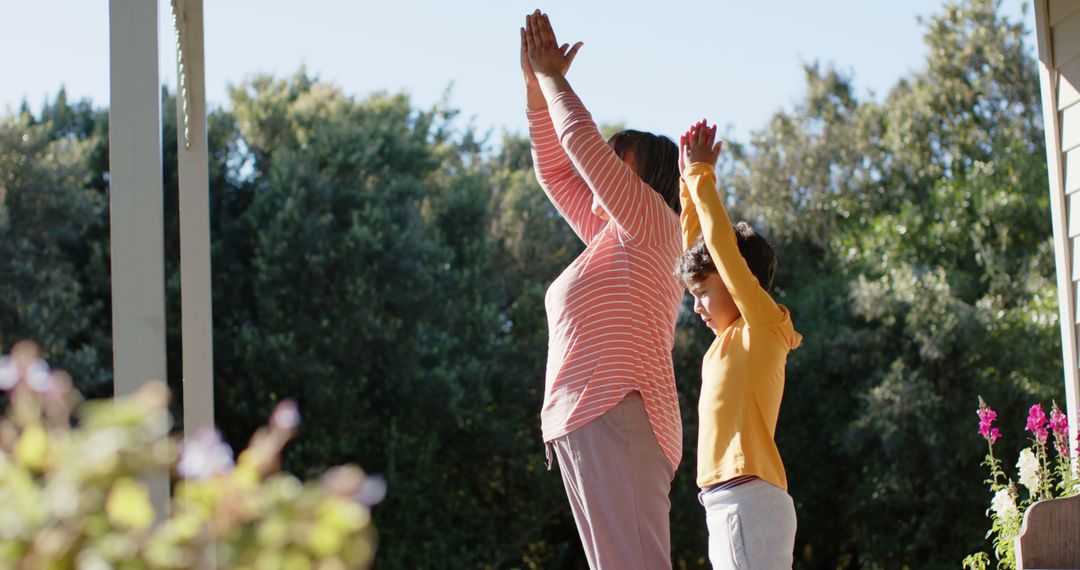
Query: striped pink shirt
column 611, row 314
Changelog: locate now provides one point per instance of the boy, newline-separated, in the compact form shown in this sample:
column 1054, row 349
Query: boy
column 728, row 270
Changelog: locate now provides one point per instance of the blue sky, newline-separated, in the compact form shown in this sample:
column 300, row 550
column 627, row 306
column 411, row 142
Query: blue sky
column 650, row 65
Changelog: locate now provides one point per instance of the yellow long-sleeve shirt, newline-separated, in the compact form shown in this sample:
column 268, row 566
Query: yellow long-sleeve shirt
column 742, row 374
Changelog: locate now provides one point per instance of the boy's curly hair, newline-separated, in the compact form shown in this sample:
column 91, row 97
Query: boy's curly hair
column 696, row 263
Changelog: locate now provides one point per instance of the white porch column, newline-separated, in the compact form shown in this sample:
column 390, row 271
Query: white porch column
column 1056, row 25
column 135, row 205
column 196, row 300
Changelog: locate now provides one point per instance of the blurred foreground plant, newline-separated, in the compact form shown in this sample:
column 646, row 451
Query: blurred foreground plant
column 71, row 492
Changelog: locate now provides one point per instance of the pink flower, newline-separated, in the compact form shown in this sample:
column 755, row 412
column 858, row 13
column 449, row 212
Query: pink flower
column 1059, row 422
column 987, row 415
column 1036, row 423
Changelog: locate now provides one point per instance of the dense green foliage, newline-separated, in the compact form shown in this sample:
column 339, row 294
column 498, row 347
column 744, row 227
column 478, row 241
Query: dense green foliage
column 387, row 269
column 914, row 238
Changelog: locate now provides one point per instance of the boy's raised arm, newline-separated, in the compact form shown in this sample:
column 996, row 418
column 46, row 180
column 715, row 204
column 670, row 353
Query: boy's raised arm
column 700, row 154
column 688, row 217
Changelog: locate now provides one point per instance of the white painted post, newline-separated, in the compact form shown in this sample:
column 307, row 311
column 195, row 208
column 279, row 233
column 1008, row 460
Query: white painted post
column 195, row 296
column 1049, row 78
column 136, row 210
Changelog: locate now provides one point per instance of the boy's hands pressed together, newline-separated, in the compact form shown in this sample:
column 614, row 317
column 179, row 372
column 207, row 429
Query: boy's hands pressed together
column 699, row 144
column 545, row 55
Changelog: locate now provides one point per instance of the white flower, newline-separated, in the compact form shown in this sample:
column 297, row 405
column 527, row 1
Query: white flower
column 286, row 415
column 204, row 456
column 372, row 491
column 1028, row 466
column 1003, row 504
column 9, row 373
column 39, row 377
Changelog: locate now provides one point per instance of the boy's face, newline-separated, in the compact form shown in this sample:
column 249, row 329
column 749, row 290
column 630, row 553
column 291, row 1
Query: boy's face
column 713, row 302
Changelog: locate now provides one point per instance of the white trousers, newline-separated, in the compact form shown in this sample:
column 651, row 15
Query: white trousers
column 751, row 526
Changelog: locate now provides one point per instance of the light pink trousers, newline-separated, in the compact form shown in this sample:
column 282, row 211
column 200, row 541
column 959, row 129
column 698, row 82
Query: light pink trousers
column 618, row 479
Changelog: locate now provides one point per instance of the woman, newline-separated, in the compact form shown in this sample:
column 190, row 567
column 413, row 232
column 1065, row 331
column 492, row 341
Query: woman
column 610, row 411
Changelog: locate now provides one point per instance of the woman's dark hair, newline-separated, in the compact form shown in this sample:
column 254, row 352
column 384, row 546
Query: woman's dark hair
column 657, row 159
column 696, row 264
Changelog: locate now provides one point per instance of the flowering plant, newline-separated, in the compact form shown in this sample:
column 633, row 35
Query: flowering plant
column 1041, row 476
column 73, row 492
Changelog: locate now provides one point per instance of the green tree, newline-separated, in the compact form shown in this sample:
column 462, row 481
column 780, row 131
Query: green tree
column 387, row 269
column 51, row 213
column 915, row 251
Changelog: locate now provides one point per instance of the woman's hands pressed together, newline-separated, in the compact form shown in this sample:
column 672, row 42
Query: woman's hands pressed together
column 545, row 55
column 544, row 62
